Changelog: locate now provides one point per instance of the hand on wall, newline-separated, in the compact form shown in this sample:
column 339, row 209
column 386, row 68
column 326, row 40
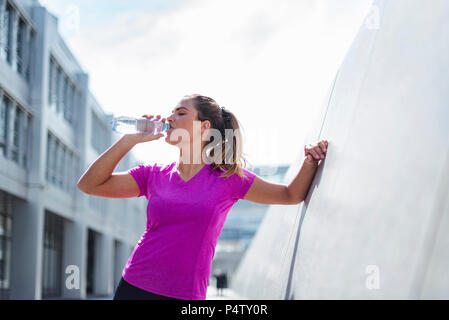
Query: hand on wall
column 315, row 152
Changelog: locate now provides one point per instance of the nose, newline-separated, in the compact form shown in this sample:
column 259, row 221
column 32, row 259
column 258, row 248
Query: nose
column 170, row 119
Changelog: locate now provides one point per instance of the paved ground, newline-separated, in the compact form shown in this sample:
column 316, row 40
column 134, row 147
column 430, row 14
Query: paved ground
column 227, row 294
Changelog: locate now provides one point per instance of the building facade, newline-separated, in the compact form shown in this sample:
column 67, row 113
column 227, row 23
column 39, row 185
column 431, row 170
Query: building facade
column 55, row 241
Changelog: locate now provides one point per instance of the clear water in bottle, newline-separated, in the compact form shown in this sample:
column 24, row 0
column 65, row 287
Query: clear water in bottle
column 127, row 125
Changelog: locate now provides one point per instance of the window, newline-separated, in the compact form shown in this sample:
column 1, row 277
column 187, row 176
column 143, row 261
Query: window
column 51, row 84
column 3, row 124
column 21, row 34
column 52, row 143
column 54, row 166
column 117, row 263
column 58, row 89
column 65, row 85
column 61, row 163
column 5, row 243
column 99, row 134
column 30, row 57
column 70, row 103
column 91, row 253
column 24, row 138
column 52, row 260
column 76, row 105
column 74, row 176
column 9, row 40
column 17, row 114
column 14, row 123
column 62, row 93
column 5, row 33
column 68, row 170
column 48, row 165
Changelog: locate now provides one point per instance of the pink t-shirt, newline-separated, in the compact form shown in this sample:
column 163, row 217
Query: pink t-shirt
column 184, row 220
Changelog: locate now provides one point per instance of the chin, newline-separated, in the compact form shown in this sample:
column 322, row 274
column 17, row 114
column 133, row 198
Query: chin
column 171, row 142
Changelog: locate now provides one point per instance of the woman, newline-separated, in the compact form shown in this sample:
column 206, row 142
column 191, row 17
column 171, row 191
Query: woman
column 188, row 200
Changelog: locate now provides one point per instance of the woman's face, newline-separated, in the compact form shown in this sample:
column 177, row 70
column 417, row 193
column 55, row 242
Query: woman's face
column 183, row 117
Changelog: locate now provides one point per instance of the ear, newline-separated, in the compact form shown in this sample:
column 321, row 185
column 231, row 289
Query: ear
column 205, row 125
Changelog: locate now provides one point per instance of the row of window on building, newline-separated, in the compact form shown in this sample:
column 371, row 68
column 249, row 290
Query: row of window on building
column 62, row 164
column 17, row 39
column 52, row 259
column 52, row 271
column 14, row 130
column 63, row 95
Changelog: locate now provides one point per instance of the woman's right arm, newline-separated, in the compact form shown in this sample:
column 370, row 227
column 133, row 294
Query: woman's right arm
column 99, row 179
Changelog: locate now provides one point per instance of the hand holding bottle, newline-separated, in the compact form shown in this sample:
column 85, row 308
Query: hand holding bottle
column 145, row 136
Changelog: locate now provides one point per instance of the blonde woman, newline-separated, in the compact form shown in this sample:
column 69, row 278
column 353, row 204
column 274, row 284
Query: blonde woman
column 188, row 200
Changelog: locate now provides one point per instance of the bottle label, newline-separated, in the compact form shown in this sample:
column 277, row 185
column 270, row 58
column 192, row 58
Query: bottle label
column 143, row 125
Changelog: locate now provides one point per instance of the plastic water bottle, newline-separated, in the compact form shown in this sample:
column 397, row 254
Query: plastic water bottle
column 127, row 125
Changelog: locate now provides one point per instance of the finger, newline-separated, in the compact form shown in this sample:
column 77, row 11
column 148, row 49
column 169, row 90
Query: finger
column 311, row 159
column 308, row 147
column 315, row 154
column 314, row 151
column 320, row 152
column 322, row 146
column 311, row 150
column 307, row 150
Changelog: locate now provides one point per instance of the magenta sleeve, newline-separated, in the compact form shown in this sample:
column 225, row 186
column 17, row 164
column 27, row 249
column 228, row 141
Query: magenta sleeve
column 246, row 183
column 242, row 185
column 142, row 175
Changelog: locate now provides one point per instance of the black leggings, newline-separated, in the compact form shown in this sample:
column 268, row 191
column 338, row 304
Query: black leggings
column 126, row 291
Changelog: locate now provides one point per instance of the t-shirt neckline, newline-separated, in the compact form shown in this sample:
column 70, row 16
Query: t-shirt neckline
column 192, row 178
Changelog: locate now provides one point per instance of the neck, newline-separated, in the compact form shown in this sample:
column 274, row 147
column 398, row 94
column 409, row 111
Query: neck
column 190, row 161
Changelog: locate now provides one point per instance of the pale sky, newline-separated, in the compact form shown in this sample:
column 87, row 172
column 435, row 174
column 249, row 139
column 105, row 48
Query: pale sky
column 271, row 62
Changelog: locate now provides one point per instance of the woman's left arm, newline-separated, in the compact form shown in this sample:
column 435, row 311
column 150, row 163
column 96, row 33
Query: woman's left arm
column 265, row 192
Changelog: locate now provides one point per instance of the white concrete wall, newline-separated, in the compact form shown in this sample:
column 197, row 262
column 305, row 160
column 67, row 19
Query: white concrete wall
column 378, row 206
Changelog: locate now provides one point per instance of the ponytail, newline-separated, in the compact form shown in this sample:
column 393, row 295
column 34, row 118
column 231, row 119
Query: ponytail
column 232, row 159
